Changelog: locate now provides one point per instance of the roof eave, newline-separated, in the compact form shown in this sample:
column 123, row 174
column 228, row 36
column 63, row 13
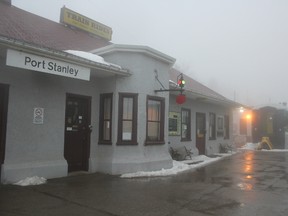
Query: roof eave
column 61, row 55
column 208, row 99
column 137, row 49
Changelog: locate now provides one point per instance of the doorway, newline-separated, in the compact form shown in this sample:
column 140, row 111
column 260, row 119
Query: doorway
column 77, row 132
column 201, row 133
column 3, row 120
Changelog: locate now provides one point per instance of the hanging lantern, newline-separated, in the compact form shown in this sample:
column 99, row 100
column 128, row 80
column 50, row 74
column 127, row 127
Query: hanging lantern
column 180, row 99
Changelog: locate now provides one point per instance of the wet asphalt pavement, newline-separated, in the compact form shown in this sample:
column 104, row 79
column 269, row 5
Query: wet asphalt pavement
column 248, row 183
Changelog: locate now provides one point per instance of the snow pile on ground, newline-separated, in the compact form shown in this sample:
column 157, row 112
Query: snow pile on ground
column 35, row 180
column 276, row 150
column 254, row 146
column 250, row 146
column 178, row 166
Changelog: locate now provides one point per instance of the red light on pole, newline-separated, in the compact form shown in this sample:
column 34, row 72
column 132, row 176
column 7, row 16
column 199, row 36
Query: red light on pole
column 180, row 99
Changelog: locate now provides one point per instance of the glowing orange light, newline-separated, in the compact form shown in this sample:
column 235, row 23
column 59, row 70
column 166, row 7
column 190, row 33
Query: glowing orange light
column 248, row 116
column 249, row 177
column 248, row 168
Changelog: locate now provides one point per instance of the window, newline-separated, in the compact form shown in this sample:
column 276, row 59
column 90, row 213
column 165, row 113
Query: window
column 212, row 126
column 185, row 125
column 174, row 124
column 105, row 123
column 226, row 127
column 127, row 120
column 155, row 120
column 220, row 126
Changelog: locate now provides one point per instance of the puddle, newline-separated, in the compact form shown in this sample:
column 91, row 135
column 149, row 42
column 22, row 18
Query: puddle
column 245, row 186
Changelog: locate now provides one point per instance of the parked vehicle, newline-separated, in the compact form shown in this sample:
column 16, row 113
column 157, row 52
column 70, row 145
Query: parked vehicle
column 272, row 122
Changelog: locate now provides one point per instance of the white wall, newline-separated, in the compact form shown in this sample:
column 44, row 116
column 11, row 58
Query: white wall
column 140, row 157
column 33, row 149
column 212, row 146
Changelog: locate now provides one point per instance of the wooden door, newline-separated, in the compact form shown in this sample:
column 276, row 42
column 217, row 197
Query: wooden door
column 201, row 133
column 77, row 132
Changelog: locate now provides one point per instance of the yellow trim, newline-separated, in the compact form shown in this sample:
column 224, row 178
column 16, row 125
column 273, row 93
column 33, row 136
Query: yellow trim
column 265, row 140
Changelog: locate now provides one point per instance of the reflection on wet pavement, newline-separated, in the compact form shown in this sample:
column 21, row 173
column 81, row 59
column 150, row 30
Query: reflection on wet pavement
column 245, row 186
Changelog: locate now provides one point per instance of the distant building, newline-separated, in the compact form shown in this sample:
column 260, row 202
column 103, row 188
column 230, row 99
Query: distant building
column 270, row 120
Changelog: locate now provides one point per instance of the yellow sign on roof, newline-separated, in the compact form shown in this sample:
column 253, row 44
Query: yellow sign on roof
column 79, row 21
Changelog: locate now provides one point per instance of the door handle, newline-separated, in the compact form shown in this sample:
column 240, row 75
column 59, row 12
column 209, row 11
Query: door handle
column 90, row 127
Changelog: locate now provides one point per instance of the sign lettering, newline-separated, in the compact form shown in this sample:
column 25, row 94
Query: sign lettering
column 79, row 21
column 46, row 65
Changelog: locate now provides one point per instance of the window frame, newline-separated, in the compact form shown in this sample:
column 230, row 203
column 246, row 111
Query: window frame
column 134, row 119
column 161, row 122
column 188, row 136
column 102, row 119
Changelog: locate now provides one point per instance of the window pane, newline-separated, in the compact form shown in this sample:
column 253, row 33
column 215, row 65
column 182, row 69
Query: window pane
column 154, row 108
column 106, row 130
column 212, row 126
column 127, row 108
column 105, row 120
column 185, row 125
column 153, row 131
column 185, row 117
column 220, row 123
column 226, row 125
column 212, row 119
column 107, row 108
column 155, row 120
column 184, row 131
column 127, row 130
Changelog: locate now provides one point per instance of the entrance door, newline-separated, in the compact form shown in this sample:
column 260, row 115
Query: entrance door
column 200, row 132
column 3, row 120
column 77, row 132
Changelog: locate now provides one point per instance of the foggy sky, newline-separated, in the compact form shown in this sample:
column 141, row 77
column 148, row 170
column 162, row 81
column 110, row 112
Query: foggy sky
column 238, row 48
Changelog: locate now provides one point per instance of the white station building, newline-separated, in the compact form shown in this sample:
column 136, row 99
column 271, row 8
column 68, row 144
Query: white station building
column 70, row 100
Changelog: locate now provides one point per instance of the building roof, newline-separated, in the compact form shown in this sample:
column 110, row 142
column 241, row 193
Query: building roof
column 197, row 90
column 279, row 106
column 135, row 48
column 23, row 26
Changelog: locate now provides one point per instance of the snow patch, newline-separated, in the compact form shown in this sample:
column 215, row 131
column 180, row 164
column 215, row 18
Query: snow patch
column 35, row 180
column 275, row 150
column 178, row 166
column 91, row 57
column 250, row 146
column 254, row 146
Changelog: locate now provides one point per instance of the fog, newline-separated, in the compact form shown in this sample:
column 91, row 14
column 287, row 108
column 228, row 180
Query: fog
column 238, row 48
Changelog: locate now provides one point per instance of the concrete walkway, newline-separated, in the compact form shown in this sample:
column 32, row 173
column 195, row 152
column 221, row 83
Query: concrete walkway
column 248, row 183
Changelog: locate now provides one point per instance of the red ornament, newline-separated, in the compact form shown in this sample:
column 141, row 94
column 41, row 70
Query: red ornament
column 180, row 99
